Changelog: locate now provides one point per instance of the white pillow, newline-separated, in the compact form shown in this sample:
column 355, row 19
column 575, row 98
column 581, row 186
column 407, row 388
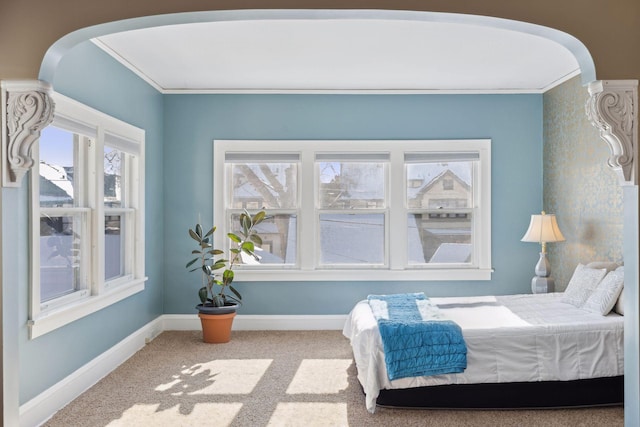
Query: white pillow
column 606, row 294
column 582, row 284
column 619, row 307
column 609, row 266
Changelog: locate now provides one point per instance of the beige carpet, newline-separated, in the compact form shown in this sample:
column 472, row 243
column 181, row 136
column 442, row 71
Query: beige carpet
column 270, row 379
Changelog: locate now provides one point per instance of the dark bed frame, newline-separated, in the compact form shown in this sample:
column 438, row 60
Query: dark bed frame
column 520, row 395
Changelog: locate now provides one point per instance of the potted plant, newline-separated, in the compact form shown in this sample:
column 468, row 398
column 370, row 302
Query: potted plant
column 219, row 300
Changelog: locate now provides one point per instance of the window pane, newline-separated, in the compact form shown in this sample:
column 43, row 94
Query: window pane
column 352, row 239
column 113, row 247
column 279, row 235
column 433, row 185
column 56, row 168
column 264, row 185
column 439, row 238
column 351, row 185
column 112, row 177
column 59, row 256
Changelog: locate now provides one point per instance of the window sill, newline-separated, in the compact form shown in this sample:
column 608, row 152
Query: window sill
column 282, row 275
column 53, row 319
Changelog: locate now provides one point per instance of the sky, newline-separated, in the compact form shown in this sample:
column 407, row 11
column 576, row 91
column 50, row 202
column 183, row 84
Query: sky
column 56, row 146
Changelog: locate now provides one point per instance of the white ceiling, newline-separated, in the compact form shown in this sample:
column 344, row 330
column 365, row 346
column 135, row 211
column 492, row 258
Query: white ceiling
column 375, row 55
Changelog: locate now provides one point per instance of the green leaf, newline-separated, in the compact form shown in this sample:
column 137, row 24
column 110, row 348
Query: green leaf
column 190, row 263
column 203, row 294
column 198, row 230
column 217, row 252
column 246, row 224
column 194, row 236
column 195, row 251
column 221, row 263
column 234, row 299
column 235, row 292
column 248, row 247
column 227, row 276
column 210, row 232
column 256, row 239
column 234, row 237
column 259, row 217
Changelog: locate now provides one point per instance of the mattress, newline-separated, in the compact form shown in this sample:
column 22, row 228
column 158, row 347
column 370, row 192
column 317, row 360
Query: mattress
column 514, row 338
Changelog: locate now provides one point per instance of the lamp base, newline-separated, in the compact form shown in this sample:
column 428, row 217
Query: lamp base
column 542, row 285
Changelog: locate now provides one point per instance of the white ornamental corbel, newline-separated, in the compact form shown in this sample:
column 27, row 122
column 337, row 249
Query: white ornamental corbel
column 27, row 109
column 613, row 109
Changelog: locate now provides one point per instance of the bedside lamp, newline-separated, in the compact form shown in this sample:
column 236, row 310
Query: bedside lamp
column 543, row 229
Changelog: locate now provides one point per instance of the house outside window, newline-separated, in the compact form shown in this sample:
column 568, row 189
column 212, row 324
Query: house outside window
column 360, row 210
column 87, row 214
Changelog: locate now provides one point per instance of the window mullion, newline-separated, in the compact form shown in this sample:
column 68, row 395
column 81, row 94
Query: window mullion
column 95, row 180
column 135, row 200
column 34, row 306
column 82, row 195
column 482, row 211
column 397, row 235
column 308, row 219
column 222, row 181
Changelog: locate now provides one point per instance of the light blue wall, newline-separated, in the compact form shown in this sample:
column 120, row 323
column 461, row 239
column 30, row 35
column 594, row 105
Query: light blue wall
column 192, row 122
column 179, row 134
column 90, row 76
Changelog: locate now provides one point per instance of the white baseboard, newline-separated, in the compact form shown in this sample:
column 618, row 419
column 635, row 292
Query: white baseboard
column 42, row 407
column 46, row 404
column 258, row 322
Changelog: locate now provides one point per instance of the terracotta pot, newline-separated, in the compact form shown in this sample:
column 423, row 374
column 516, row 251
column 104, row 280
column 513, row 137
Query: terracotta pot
column 216, row 328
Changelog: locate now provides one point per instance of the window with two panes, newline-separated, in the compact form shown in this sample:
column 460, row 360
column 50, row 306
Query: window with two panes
column 65, row 213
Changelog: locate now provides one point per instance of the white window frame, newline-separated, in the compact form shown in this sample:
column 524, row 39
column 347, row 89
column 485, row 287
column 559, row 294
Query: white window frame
column 396, row 268
column 95, row 293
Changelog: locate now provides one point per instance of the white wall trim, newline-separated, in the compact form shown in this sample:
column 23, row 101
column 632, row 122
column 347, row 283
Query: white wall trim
column 258, row 322
column 46, row 404
column 42, row 407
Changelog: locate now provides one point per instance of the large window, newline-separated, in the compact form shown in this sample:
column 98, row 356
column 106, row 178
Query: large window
column 360, row 210
column 87, row 214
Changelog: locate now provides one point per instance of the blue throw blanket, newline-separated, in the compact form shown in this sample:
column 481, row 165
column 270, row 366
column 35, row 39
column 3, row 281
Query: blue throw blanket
column 417, row 341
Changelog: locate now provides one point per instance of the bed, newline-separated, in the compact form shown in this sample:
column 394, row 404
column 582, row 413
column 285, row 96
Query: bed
column 522, row 351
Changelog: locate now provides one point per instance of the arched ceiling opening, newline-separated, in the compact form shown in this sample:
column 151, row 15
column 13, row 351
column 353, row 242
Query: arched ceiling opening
column 334, row 50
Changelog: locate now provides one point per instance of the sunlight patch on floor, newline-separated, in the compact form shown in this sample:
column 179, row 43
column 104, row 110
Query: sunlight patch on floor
column 233, row 376
column 309, row 415
column 320, row 376
column 202, row 414
column 230, row 376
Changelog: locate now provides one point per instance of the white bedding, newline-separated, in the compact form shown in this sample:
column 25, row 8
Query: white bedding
column 509, row 339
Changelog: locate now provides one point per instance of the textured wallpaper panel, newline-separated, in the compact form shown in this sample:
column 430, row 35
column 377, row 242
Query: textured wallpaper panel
column 579, row 187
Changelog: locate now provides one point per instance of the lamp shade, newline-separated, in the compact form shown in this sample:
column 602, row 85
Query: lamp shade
column 543, row 228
